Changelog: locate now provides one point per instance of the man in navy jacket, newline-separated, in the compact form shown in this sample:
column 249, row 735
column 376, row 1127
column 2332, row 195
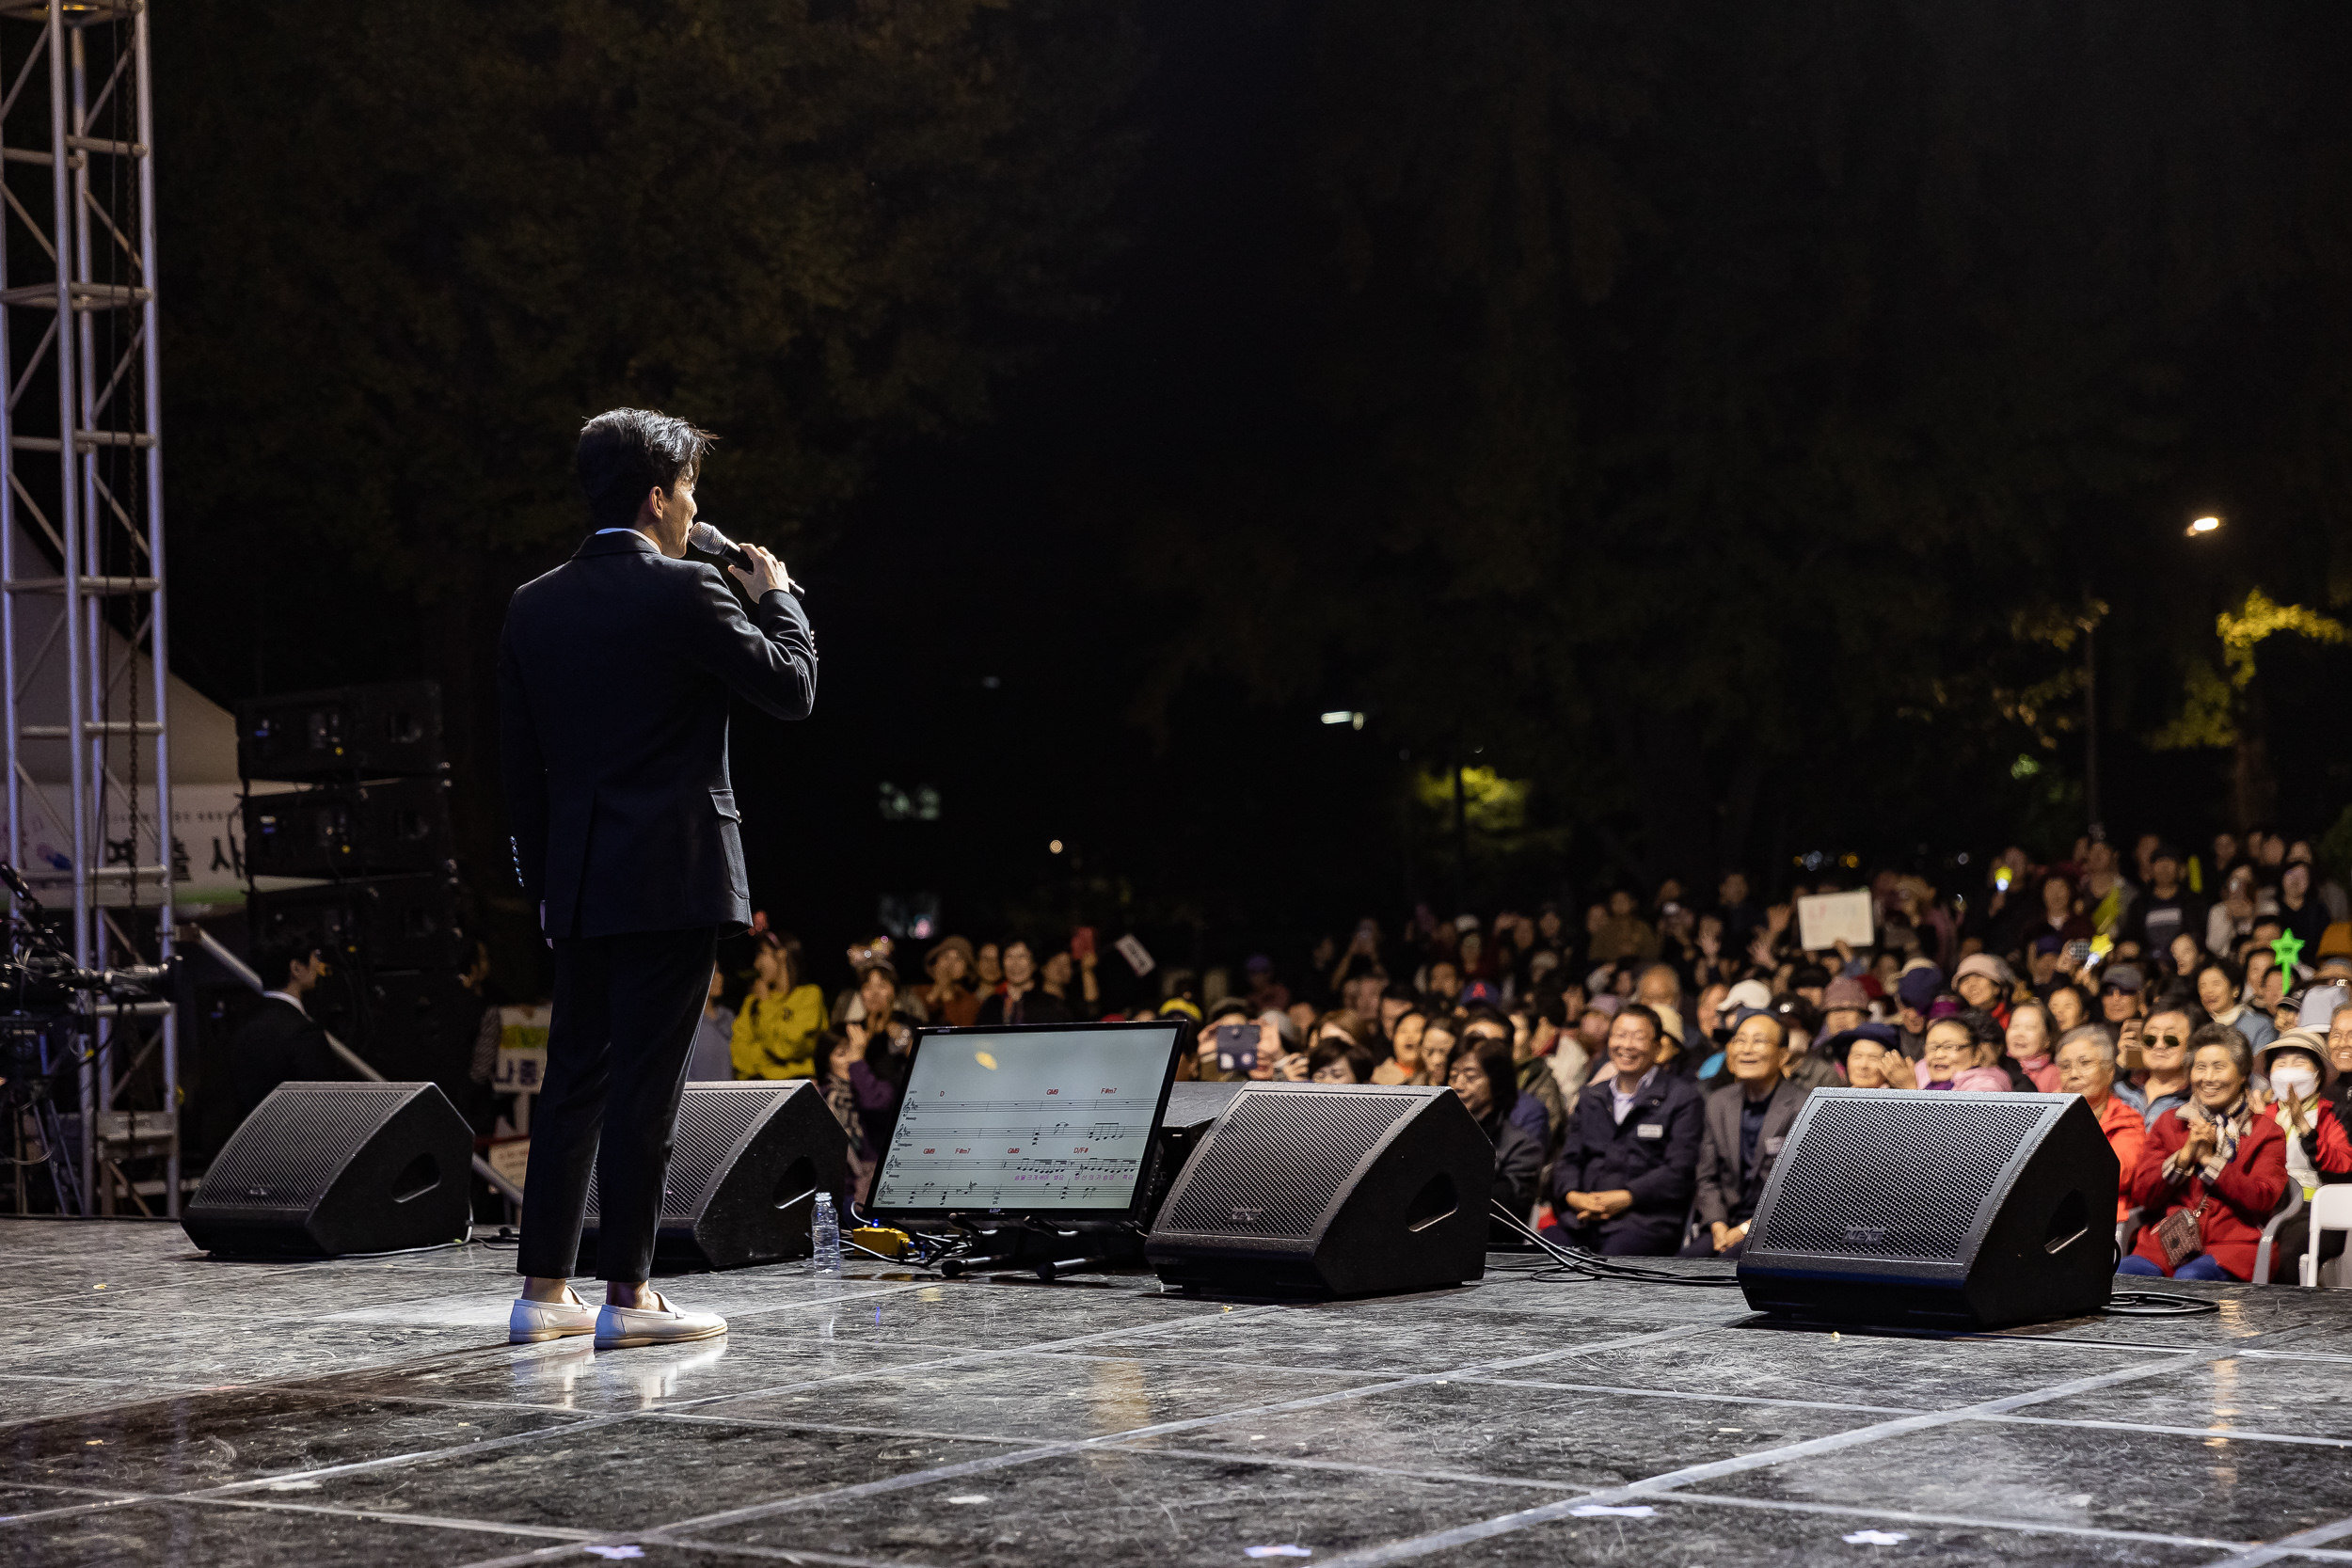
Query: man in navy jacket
column 1625, row 1176
column 615, row 671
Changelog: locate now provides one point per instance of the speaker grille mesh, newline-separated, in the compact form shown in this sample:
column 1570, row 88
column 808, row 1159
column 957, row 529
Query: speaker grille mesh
column 285, row 1156
column 1279, row 1159
column 708, row 1122
column 1905, row 1181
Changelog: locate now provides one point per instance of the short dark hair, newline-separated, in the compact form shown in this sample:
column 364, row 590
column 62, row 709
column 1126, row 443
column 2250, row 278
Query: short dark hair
column 625, row 453
column 274, row 964
column 2229, row 1040
column 1358, row 1060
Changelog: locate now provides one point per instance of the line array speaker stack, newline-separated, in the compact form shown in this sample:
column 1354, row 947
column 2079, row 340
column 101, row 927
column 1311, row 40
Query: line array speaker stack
column 320, row 1170
column 745, row 1169
column 369, row 821
column 1329, row 1191
column 1936, row 1210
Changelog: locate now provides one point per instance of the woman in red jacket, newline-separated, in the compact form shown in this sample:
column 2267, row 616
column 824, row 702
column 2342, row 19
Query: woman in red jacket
column 2211, row 1172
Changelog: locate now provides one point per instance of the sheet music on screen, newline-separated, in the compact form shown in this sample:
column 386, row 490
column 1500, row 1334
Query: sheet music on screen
column 1026, row 1122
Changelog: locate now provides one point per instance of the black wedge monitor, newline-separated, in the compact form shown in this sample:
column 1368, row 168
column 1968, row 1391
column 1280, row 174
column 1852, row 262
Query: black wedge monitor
column 1054, row 1120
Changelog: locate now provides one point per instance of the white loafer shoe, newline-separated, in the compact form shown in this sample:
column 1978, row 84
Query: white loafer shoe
column 532, row 1323
column 619, row 1327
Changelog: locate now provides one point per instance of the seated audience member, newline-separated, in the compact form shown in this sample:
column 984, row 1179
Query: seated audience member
column 1208, row 1047
column 2029, row 1038
column 1437, row 1041
column 1745, row 1124
column 2164, row 1053
column 1070, row 980
column 1983, row 982
column 2122, row 994
column 776, row 1028
column 1951, row 1058
column 840, row 1067
column 1021, row 1001
column 2085, row 1060
column 713, row 1056
column 949, row 998
column 1844, row 1005
column 1483, row 1074
column 1539, row 1110
column 1338, row 1060
column 2215, row 1167
column 1404, row 1065
column 1627, row 1170
column 1872, row 1056
column 1801, row 1025
column 2300, row 1075
column 2218, row 981
column 2069, row 1010
column 2188, row 954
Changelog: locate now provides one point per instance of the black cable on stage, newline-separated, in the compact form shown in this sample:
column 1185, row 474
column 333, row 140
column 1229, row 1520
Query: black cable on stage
column 1577, row 1263
column 2157, row 1303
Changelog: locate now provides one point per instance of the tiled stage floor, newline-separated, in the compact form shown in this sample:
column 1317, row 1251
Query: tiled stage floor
column 158, row 1407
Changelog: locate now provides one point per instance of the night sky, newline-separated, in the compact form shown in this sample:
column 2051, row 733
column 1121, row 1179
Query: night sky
column 1698, row 418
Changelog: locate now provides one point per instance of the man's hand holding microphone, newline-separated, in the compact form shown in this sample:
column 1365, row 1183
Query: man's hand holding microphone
column 756, row 569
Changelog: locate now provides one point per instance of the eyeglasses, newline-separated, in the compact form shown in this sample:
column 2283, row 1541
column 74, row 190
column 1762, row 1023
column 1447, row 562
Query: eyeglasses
column 2173, row 1040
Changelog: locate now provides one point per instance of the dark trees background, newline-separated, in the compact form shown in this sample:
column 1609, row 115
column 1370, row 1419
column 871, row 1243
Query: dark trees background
column 1717, row 423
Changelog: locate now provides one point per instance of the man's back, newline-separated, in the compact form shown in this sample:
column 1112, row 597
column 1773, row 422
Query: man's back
column 614, row 675
column 278, row 1043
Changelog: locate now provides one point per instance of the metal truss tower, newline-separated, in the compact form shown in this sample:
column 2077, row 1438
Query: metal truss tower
column 82, row 555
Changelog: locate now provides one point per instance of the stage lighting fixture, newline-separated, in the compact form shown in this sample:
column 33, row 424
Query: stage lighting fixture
column 2203, row 525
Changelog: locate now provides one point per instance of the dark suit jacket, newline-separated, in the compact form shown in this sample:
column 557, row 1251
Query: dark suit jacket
column 1728, row 1194
column 278, row 1044
column 1651, row 1154
column 613, row 675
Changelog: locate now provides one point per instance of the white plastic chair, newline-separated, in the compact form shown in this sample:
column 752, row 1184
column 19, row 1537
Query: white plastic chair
column 2331, row 1210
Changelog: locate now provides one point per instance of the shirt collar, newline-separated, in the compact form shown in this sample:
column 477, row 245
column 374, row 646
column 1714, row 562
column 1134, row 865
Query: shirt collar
column 290, row 1000
column 1639, row 1085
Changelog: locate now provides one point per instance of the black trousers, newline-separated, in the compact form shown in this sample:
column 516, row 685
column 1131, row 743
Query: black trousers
column 625, row 1008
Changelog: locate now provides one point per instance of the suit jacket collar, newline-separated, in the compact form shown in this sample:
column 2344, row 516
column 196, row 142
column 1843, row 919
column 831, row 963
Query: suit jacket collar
column 631, row 543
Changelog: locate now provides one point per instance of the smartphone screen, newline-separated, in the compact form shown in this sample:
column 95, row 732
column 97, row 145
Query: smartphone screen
column 1236, row 1047
column 1081, row 943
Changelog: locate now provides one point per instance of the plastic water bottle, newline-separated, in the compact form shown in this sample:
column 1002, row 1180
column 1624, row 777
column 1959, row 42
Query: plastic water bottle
column 825, row 1230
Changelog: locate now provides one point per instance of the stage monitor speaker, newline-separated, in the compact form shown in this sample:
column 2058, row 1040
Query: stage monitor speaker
column 1325, row 1190
column 745, row 1169
column 1936, row 1210
column 345, row 733
column 323, row 1170
column 390, row 826
column 382, row 923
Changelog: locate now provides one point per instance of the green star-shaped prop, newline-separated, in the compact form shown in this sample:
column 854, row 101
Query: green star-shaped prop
column 2288, row 950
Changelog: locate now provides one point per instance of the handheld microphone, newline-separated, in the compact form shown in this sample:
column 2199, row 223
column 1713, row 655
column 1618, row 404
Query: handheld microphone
column 708, row 540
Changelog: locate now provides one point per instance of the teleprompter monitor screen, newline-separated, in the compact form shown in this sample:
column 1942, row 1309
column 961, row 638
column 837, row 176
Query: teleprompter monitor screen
column 1052, row 1119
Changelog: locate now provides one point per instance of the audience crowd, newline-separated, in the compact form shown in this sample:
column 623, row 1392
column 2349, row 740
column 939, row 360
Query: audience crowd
column 1638, row 1066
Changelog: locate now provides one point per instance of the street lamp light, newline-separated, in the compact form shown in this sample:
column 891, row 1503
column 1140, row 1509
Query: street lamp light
column 2203, row 525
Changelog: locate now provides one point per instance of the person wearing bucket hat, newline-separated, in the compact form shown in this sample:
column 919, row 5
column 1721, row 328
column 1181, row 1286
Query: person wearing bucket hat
column 2302, row 1081
column 2302, row 1097
column 950, row 997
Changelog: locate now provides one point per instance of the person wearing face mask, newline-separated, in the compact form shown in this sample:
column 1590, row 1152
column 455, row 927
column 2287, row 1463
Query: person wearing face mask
column 2214, row 1170
column 2301, row 1074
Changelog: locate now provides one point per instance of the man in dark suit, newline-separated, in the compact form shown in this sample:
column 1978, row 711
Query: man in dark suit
column 1747, row 1123
column 279, row 1042
column 1621, row 1184
column 614, row 675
